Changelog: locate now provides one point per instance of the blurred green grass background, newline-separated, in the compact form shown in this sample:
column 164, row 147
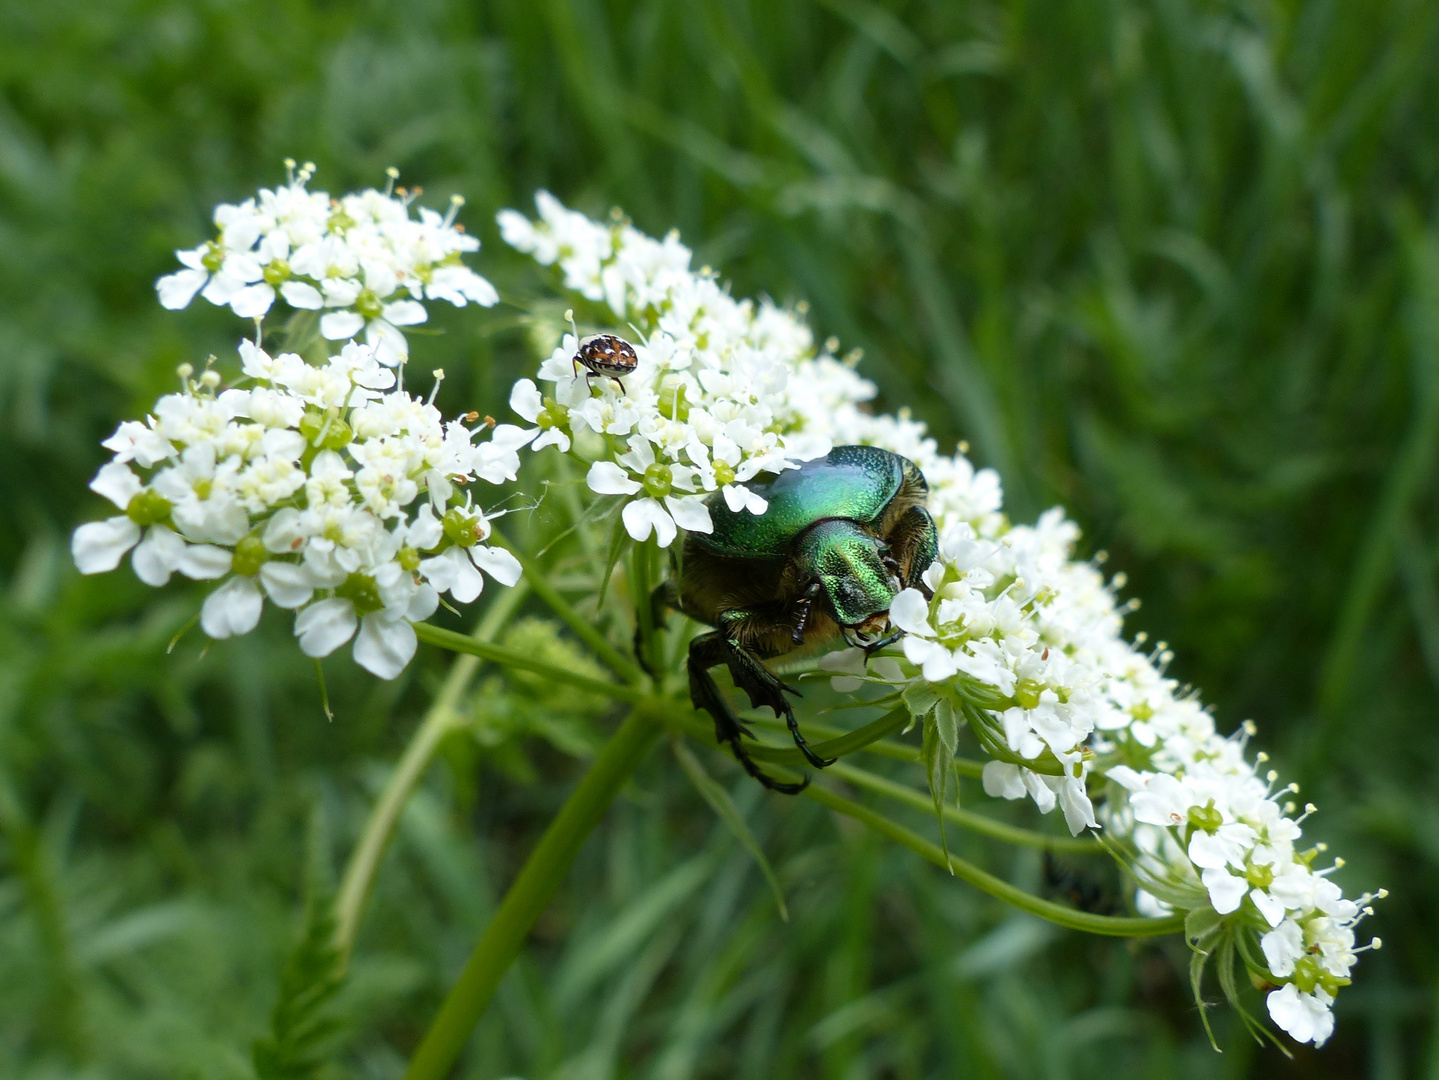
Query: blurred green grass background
column 1172, row 263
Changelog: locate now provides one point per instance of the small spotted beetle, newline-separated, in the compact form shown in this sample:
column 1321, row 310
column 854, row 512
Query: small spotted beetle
column 606, row 356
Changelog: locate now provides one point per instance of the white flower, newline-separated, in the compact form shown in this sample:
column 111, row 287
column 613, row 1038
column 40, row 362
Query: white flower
column 325, row 625
column 1306, row 1017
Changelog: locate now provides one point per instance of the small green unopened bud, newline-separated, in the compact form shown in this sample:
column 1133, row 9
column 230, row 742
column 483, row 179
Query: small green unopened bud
column 214, row 257
column 658, row 480
column 361, row 590
column 672, row 403
column 409, row 559
column 250, row 553
column 724, row 473
column 147, row 508
column 1260, row 875
column 277, row 272
column 369, row 305
column 325, row 430
column 552, row 415
column 1206, row 817
column 462, row 529
column 1027, row 692
column 1141, row 711
column 339, row 222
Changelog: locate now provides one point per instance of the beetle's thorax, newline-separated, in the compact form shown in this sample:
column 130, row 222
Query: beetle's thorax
column 847, row 562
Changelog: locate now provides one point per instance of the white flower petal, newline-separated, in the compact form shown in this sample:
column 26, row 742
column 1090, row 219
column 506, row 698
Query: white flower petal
column 607, row 478
column 525, row 399
column 497, row 562
column 98, row 546
column 405, row 313
column 299, row 294
column 178, row 289
column 339, row 325
column 643, row 516
column 384, row 646
column 117, row 483
column 324, row 626
column 690, row 513
column 909, row 611
column 288, row 585
column 252, row 301
column 232, row 609
column 157, row 556
column 204, row 562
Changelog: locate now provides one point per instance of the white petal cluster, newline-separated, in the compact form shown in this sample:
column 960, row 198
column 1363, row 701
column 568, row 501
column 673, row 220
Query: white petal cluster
column 717, row 396
column 323, row 489
column 362, row 261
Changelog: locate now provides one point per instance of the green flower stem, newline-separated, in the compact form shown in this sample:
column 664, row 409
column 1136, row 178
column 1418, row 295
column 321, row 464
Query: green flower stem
column 965, row 819
column 364, row 864
column 528, row 897
column 1110, row 925
column 583, row 628
column 460, row 643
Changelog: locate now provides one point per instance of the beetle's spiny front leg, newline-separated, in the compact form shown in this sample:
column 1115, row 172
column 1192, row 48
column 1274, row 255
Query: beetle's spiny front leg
column 764, row 630
column 707, row 651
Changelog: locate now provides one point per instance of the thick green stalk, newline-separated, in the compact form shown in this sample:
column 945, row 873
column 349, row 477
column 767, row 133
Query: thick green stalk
column 965, row 819
column 1110, row 925
column 448, row 639
column 364, row 863
column 528, row 896
column 583, row 628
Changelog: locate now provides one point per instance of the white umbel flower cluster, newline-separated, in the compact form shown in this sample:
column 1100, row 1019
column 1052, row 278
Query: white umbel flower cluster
column 361, row 260
column 323, row 489
column 715, row 399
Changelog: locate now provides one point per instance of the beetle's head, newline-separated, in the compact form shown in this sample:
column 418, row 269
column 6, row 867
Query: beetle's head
column 856, row 579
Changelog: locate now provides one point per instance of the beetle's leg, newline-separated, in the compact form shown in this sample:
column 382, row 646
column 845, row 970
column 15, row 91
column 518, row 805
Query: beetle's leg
column 764, row 630
column 619, row 384
column 801, row 611
column 707, row 651
column 914, row 542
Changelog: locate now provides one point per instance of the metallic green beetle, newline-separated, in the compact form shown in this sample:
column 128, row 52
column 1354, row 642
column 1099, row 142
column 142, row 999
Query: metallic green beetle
column 841, row 536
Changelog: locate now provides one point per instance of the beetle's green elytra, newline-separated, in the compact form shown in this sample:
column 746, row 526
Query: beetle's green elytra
column 841, row 536
column 854, row 483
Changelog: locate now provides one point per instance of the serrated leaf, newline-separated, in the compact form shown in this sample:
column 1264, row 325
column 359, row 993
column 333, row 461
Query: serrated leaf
column 920, row 698
column 947, row 724
column 713, row 792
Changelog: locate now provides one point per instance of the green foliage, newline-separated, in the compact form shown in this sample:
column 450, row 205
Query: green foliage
column 1170, row 262
column 301, row 1023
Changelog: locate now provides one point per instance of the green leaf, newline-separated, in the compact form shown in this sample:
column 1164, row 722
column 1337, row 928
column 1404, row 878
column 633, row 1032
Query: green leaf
column 947, row 724
column 720, row 802
column 618, row 537
column 938, row 761
column 302, row 1028
column 1197, row 960
column 920, row 698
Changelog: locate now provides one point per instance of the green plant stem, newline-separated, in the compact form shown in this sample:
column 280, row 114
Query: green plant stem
column 460, row 643
column 583, row 628
column 882, row 748
column 965, row 819
column 528, row 896
column 1110, row 925
column 364, row 864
